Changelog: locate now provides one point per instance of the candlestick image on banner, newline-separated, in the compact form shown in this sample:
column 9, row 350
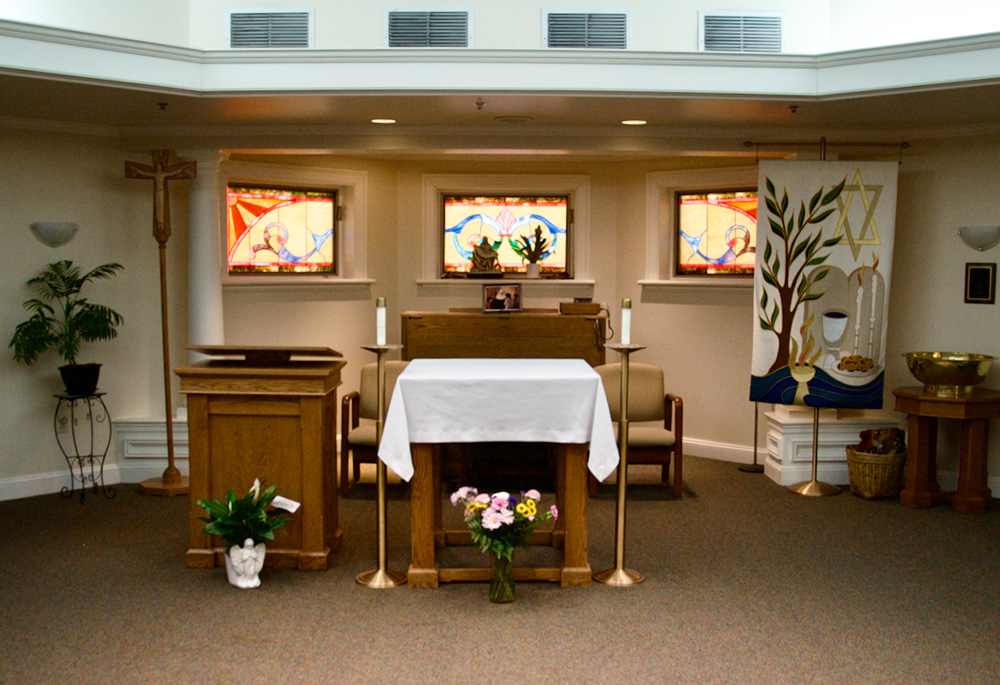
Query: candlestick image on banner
column 821, row 285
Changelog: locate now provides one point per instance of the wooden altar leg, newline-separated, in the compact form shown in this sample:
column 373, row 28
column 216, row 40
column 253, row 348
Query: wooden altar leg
column 576, row 568
column 559, row 528
column 920, row 472
column 439, row 534
column 423, row 571
column 973, row 495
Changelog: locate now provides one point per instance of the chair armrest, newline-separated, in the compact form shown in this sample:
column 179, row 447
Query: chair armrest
column 349, row 418
column 673, row 416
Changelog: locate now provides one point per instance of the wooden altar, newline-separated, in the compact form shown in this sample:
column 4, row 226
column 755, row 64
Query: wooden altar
column 267, row 413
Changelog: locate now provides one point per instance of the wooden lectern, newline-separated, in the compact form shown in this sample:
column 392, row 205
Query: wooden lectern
column 267, row 413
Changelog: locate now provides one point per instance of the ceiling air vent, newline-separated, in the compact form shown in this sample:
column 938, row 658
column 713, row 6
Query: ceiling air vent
column 740, row 33
column 429, row 29
column 269, row 29
column 602, row 31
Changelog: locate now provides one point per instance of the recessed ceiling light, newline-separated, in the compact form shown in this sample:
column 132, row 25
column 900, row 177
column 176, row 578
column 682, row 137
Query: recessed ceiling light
column 634, row 122
column 383, row 121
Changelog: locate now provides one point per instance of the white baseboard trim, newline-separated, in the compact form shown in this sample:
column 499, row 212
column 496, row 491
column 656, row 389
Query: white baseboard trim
column 19, row 487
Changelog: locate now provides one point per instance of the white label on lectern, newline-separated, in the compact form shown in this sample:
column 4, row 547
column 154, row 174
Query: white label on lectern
column 285, row 503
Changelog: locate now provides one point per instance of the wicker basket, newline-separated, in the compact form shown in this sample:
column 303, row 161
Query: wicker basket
column 875, row 475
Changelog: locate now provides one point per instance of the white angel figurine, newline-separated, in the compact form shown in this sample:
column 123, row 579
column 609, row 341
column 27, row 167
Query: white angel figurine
column 244, row 564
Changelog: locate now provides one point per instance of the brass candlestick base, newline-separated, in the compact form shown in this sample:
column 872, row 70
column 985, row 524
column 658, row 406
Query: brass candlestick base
column 620, row 577
column 814, row 488
column 381, row 578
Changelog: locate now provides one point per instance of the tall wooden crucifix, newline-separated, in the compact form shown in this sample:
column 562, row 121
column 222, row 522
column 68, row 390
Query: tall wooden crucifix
column 172, row 482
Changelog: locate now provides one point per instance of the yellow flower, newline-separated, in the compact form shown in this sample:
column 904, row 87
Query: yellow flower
column 526, row 508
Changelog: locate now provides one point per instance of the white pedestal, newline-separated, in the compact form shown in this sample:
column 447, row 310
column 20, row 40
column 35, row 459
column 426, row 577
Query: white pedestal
column 790, row 443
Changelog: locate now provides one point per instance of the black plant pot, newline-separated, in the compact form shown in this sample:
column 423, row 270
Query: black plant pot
column 80, row 379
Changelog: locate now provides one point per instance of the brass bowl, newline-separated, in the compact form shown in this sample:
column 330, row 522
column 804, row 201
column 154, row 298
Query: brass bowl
column 948, row 374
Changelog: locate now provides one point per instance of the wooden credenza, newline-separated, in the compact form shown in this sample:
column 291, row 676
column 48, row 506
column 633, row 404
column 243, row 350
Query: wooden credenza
column 270, row 418
column 541, row 334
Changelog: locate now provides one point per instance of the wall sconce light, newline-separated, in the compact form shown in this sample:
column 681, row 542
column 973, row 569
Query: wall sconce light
column 980, row 237
column 54, row 233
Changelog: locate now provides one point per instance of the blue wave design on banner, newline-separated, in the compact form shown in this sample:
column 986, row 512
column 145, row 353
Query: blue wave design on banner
column 825, row 391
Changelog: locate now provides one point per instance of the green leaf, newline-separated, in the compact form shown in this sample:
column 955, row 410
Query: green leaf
column 834, row 192
column 799, row 249
column 772, row 206
column 777, row 228
column 832, row 241
column 821, row 274
column 818, row 260
column 784, row 203
column 769, row 184
column 769, row 278
column 767, row 251
column 821, row 216
column 815, row 200
column 802, row 214
column 813, row 296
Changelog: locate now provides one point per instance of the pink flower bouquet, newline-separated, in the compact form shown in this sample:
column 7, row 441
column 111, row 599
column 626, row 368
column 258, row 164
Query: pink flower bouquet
column 501, row 522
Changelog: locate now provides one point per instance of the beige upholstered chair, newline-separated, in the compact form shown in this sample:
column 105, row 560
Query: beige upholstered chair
column 357, row 439
column 647, row 402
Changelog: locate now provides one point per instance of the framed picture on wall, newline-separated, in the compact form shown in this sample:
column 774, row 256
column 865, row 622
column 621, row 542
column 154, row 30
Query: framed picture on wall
column 980, row 283
column 501, row 298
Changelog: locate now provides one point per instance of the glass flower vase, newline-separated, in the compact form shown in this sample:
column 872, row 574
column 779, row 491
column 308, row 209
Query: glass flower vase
column 501, row 579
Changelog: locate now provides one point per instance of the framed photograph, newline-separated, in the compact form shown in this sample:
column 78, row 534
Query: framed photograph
column 501, row 298
column 980, row 283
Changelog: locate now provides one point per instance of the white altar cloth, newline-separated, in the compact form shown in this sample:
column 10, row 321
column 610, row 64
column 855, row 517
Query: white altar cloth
column 498, row 400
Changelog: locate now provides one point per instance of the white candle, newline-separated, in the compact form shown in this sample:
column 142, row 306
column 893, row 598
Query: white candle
column 380, row 321
column 626, row 321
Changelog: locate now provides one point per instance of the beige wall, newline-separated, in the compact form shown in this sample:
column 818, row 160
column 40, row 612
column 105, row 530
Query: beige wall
column 55, row 177
column 701, row 337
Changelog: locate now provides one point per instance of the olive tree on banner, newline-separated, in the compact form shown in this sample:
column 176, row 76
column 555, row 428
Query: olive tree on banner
column 791, row 266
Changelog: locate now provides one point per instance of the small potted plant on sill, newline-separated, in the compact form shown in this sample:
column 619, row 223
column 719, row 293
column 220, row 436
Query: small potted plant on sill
column 62, row 320
column 245, row 526
column 500, row 523
column 530, row 252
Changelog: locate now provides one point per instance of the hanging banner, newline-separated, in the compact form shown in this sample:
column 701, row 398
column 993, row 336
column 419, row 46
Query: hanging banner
column 821, row 282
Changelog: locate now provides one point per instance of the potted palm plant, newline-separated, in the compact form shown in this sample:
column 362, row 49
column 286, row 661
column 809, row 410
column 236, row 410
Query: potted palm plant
column 62, row 320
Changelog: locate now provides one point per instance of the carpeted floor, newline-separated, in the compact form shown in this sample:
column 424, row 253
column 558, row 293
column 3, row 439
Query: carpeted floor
column 745, row 583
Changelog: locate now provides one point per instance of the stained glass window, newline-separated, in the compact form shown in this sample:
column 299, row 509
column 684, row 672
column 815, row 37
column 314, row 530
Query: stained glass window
column 716, row 233
column 276, row 230
column 519, row 229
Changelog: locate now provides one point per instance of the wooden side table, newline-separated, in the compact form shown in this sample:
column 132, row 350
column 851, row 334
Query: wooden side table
column 920, row 487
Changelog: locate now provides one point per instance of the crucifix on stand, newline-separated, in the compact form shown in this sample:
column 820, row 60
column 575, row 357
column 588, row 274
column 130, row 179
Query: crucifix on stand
column 172, row 482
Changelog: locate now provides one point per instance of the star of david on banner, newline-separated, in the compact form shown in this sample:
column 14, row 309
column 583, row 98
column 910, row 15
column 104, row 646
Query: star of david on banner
column 821, row 282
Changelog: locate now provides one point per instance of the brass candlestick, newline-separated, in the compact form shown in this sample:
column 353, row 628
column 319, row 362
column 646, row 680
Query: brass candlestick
column 619, row 575
column 381, row 577
column 813, row 487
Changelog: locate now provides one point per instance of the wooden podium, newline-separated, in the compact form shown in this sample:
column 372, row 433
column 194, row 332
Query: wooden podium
column 267, row 413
